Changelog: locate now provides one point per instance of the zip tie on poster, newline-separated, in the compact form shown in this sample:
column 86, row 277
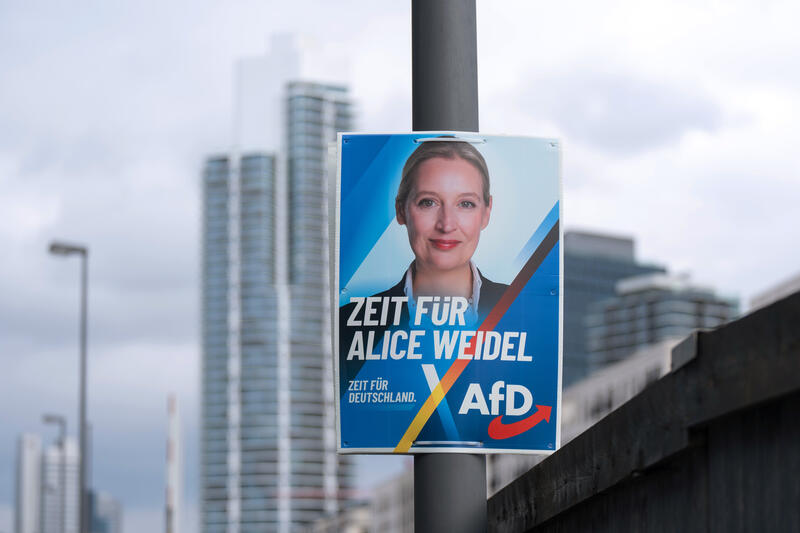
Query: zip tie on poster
column 450, row 443
column 450, row 138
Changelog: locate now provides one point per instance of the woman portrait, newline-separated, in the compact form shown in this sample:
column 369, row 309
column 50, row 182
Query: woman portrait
column 444, row 202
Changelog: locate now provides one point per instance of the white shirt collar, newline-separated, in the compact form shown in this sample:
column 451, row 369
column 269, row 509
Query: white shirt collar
column 472, row 311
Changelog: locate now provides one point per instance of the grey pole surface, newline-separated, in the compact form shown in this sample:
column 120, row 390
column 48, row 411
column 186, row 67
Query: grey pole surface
column 444, row 54
column 83, row 514
column 58, row 248
column 449, row 488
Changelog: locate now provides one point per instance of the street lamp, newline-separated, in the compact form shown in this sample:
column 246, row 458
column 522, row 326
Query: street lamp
column 62, row 436
column 66, row 249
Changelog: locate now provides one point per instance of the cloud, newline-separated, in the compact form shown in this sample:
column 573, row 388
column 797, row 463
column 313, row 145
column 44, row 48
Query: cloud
column 620, row 113
column 143, row 263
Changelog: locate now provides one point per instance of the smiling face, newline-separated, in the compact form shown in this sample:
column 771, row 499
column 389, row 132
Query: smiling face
column 444, row 214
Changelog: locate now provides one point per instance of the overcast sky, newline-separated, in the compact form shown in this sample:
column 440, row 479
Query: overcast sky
column 678, row 121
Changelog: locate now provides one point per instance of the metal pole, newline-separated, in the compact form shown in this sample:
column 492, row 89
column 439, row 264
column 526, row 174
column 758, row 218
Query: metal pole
column 66, row 249
column 83, row 515
column 449, row 489
column 444, row 65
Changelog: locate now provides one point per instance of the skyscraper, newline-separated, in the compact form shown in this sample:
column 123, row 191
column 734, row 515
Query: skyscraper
column 105, row 513
column 174, row 467
column 47, row 486
column 27, row 497
column 59, row 488
column 593, row 263
column 269, row 458
column 651, row 308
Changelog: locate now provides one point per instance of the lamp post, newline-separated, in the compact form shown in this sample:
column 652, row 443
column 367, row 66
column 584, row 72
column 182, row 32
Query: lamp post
column 61, row 422
column 65, row 249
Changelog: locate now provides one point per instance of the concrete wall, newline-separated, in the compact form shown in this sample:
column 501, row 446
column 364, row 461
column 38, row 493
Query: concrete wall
column 712, row 446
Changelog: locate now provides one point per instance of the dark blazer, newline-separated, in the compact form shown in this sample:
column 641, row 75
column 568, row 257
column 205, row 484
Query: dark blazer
column 491, row 293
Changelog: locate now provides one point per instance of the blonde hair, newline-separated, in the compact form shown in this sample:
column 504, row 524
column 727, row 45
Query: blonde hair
column 445, row 150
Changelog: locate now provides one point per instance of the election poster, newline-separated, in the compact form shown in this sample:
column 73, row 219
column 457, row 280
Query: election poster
column 447, row 281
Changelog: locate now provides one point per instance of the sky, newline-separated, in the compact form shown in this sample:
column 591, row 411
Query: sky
column 677, row 120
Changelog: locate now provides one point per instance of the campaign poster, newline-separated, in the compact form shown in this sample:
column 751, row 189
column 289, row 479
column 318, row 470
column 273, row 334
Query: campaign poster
column 447, row 274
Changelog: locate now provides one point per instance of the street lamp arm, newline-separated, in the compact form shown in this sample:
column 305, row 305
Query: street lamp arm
column 53, row 419
column 63, row 248
column 58, row 420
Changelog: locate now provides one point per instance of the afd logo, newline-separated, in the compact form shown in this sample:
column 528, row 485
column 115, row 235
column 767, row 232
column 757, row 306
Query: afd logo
column 517, row 400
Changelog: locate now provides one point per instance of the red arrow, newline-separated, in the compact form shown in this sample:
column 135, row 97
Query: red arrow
column 498, row 430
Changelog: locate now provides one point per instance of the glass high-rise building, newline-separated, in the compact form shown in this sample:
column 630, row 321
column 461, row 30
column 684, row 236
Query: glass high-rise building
column 269, row 459
column 60, row 488
column 47, row 486
column 593, row 264
column 105, row 513
column 651, row 308
column 28, row 487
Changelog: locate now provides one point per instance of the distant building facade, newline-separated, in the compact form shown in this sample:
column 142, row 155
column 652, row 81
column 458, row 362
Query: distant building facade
column 392, row 505
column 648, row 309
column 776, row 292
column 593, row 264
column 105, row 513
column 269, row 459
column 351, row 519
column 390, row 509
column 28, row 484
column 47, row 486
column 586, row 402
column 58, row 497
